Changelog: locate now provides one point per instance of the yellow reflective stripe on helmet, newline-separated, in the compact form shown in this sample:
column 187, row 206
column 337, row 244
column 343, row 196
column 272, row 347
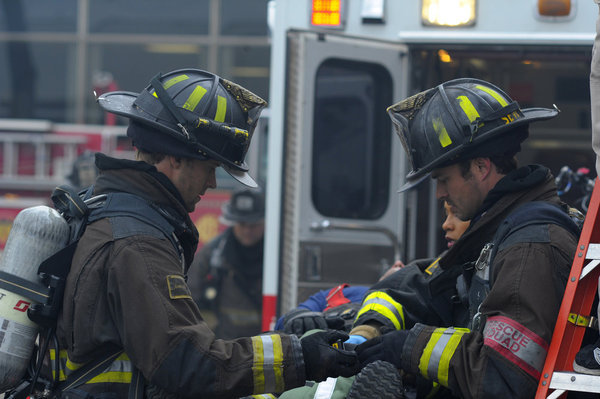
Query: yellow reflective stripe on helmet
column 494, row 94
column 435, row 360
column 440, row 129
column 386, row 306
column 174, row 80
column 221, row 109
column 268, row 363
column 468, row 108
column 194, row 98
column 171, row 82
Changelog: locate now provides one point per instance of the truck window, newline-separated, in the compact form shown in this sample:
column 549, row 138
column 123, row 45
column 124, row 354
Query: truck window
column 351, row 140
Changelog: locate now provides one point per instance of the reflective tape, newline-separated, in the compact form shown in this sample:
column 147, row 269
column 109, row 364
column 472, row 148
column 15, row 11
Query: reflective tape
column 440, row 129
column 268, row 363
column 435, row 360
column 516, row 343
column 221, row 109
column 192, row 101
column 385, row 305
column 171, row 82
column 174, row 80
column 325, row 389
column 119, row 371
column 468, row 108
column 494, row 94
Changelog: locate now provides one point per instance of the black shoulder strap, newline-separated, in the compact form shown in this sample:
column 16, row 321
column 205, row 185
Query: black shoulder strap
column 528, row 214
column 537, row 212
column 510, row 231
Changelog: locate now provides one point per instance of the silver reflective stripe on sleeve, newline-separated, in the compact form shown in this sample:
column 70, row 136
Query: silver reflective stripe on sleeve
column 268, row 363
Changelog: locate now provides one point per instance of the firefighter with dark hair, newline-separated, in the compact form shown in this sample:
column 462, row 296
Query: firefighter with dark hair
column 226, row 275
column 481, row 325
column 129, row 326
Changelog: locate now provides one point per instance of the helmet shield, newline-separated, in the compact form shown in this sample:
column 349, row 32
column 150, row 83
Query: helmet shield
column 457, row 119
column 205, row 116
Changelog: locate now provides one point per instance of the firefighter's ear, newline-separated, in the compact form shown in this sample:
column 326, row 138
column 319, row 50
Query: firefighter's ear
column 481, row 168
column 174, row 162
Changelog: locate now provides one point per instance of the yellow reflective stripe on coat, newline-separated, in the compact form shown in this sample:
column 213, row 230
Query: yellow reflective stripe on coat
column 435, row 360
column 386, row 306
column 119, row 371
column 268, row 363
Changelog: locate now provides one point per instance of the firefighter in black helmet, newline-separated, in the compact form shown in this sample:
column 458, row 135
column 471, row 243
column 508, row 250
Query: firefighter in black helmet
column 227, row 273
column 126, row 292
column 495, row 296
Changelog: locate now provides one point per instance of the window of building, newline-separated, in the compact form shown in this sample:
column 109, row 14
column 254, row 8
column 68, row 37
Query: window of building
column 351, row 140
column 247, row 66
column 241, row 18
column 36, row 77
column 174, row 17
column 38, row 16
column 131, row 66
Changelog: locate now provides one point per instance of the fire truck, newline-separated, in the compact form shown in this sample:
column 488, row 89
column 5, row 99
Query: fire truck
column 334, row 165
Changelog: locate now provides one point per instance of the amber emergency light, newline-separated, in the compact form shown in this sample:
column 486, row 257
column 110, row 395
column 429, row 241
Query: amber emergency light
column 326, row 13
column 554, row 8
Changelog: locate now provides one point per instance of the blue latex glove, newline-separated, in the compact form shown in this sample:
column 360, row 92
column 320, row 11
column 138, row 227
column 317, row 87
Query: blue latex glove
column 355, row 339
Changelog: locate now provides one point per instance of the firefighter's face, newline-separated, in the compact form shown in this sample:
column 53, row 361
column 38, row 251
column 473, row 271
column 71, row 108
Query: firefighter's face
column 463, row 194
column 193, row 177
column 453, row 226
column 249, row 234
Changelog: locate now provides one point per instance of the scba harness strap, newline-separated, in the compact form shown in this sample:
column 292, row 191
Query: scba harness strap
column 130, row 215
column 525, row 224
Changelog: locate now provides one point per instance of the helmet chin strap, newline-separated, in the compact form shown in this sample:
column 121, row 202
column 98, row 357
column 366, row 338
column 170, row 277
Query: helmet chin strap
column 166, row 100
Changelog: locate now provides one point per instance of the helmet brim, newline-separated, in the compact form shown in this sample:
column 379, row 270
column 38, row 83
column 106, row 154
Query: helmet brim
column 410, row 184
column 241, row 176
column 122, row 103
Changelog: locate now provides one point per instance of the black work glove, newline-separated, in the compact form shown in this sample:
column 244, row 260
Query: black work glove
column 386, row 347
column 299, row 321
column 322, row 360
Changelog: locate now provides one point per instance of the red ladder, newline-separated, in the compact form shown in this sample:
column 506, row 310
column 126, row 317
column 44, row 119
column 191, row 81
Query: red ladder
column 558, row 376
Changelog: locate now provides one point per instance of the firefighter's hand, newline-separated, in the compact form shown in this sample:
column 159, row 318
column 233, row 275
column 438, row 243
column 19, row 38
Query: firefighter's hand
column 322, row 360
column 386, row 347
column 299, row 321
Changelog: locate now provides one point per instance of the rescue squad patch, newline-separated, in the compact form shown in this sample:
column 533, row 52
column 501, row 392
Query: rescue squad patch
column 178, row 288
column 516, row 343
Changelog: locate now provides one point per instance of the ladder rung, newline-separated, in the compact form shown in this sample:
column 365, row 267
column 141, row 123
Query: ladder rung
column 570, row 381
column 593, row 251
column 589, row 267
